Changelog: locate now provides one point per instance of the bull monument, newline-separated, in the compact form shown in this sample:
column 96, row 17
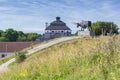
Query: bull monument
column 85, row 28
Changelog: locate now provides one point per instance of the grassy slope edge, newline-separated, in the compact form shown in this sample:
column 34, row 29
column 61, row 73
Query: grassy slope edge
column 5, row 59
column 79, row 59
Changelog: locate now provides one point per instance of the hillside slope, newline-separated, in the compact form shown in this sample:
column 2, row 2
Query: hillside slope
column 78, row 59
column 4, row 66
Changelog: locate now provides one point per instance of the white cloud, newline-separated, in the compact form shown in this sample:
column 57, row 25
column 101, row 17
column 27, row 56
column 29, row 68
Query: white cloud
column 32, row 15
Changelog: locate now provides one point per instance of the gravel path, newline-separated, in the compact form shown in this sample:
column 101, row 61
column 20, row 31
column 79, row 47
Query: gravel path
column 4, row 67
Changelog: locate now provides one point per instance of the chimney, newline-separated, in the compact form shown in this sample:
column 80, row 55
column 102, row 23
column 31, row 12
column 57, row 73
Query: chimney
column 46, row 24
column 57, row 18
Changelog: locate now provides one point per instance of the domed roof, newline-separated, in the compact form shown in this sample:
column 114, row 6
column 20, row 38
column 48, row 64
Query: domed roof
column 57, row 25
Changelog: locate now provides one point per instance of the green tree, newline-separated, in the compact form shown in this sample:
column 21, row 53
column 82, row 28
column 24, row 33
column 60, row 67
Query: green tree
column 20, row 56
column 32, row 36
column 1, row 32
column 2, row 39
column 11, row 34
column 104, row 27
column 20, row 33
column 22, row 38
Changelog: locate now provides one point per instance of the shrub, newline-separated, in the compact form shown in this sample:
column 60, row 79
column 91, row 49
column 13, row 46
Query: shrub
column 76, row 34
column 104, row 28
column 20, row 57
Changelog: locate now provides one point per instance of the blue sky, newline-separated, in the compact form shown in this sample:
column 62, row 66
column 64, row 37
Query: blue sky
column 31, row 15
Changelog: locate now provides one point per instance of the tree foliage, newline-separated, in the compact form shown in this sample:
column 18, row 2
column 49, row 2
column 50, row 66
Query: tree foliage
column 13, row 35
column 20, row 57
column 31, row 36
column 104, row 27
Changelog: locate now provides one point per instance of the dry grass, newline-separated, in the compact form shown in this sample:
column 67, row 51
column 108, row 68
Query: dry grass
column 80, row 59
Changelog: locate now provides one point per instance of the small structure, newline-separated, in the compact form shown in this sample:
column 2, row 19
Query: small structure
column 84, row 25
column 56, row 29
column 9, row 48
column 85, row 28
column 119, row 31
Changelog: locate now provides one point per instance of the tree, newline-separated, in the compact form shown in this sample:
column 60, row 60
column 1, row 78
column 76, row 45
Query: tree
column 1, row 32
column 20, row 56
column 32, row 36
column 104, row 27
column 22, row 38
column 11, row 34
column 2, row 39
column 20, row 33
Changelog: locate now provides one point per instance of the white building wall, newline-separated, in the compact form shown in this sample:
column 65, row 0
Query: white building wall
column 57, row 31
column 6, row 54
column 83, row 33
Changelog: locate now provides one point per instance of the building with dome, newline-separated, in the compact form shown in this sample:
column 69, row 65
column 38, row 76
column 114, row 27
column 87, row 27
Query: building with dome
column 56, row 29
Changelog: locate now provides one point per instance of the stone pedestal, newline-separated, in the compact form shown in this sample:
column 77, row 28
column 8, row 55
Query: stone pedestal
column 84, row 33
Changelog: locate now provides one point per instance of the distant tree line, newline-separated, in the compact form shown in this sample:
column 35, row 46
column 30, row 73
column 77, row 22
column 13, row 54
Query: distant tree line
column 13, row 35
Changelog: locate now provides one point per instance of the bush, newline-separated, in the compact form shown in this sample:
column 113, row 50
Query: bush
column 104, row 28
column 20, row 57
column 76, row 34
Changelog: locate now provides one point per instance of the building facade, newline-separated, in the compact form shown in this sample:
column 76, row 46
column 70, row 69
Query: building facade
column 9, row 48
column 56, row 29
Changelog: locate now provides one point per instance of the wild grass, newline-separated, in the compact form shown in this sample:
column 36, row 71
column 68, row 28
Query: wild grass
column 5, row 59
column 80, row 59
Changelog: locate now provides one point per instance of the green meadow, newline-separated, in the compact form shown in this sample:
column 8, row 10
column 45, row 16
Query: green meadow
column 79, row 59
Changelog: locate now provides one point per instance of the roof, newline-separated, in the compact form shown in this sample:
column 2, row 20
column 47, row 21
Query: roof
column 57, row 25
column 14, row 46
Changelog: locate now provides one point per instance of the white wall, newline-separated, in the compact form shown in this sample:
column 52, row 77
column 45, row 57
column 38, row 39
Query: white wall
column 83, row 33
column 6, row 53
column 59, row 31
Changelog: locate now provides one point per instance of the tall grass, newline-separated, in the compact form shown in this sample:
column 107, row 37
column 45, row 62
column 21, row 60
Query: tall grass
column 79, row 59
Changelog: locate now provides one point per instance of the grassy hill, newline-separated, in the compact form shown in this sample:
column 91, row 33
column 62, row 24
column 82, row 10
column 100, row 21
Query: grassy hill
column 79, row 59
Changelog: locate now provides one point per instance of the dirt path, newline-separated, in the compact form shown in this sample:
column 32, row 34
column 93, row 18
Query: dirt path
column 4, row 67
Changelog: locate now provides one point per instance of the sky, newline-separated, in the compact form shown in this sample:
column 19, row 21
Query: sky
column 31, row 15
